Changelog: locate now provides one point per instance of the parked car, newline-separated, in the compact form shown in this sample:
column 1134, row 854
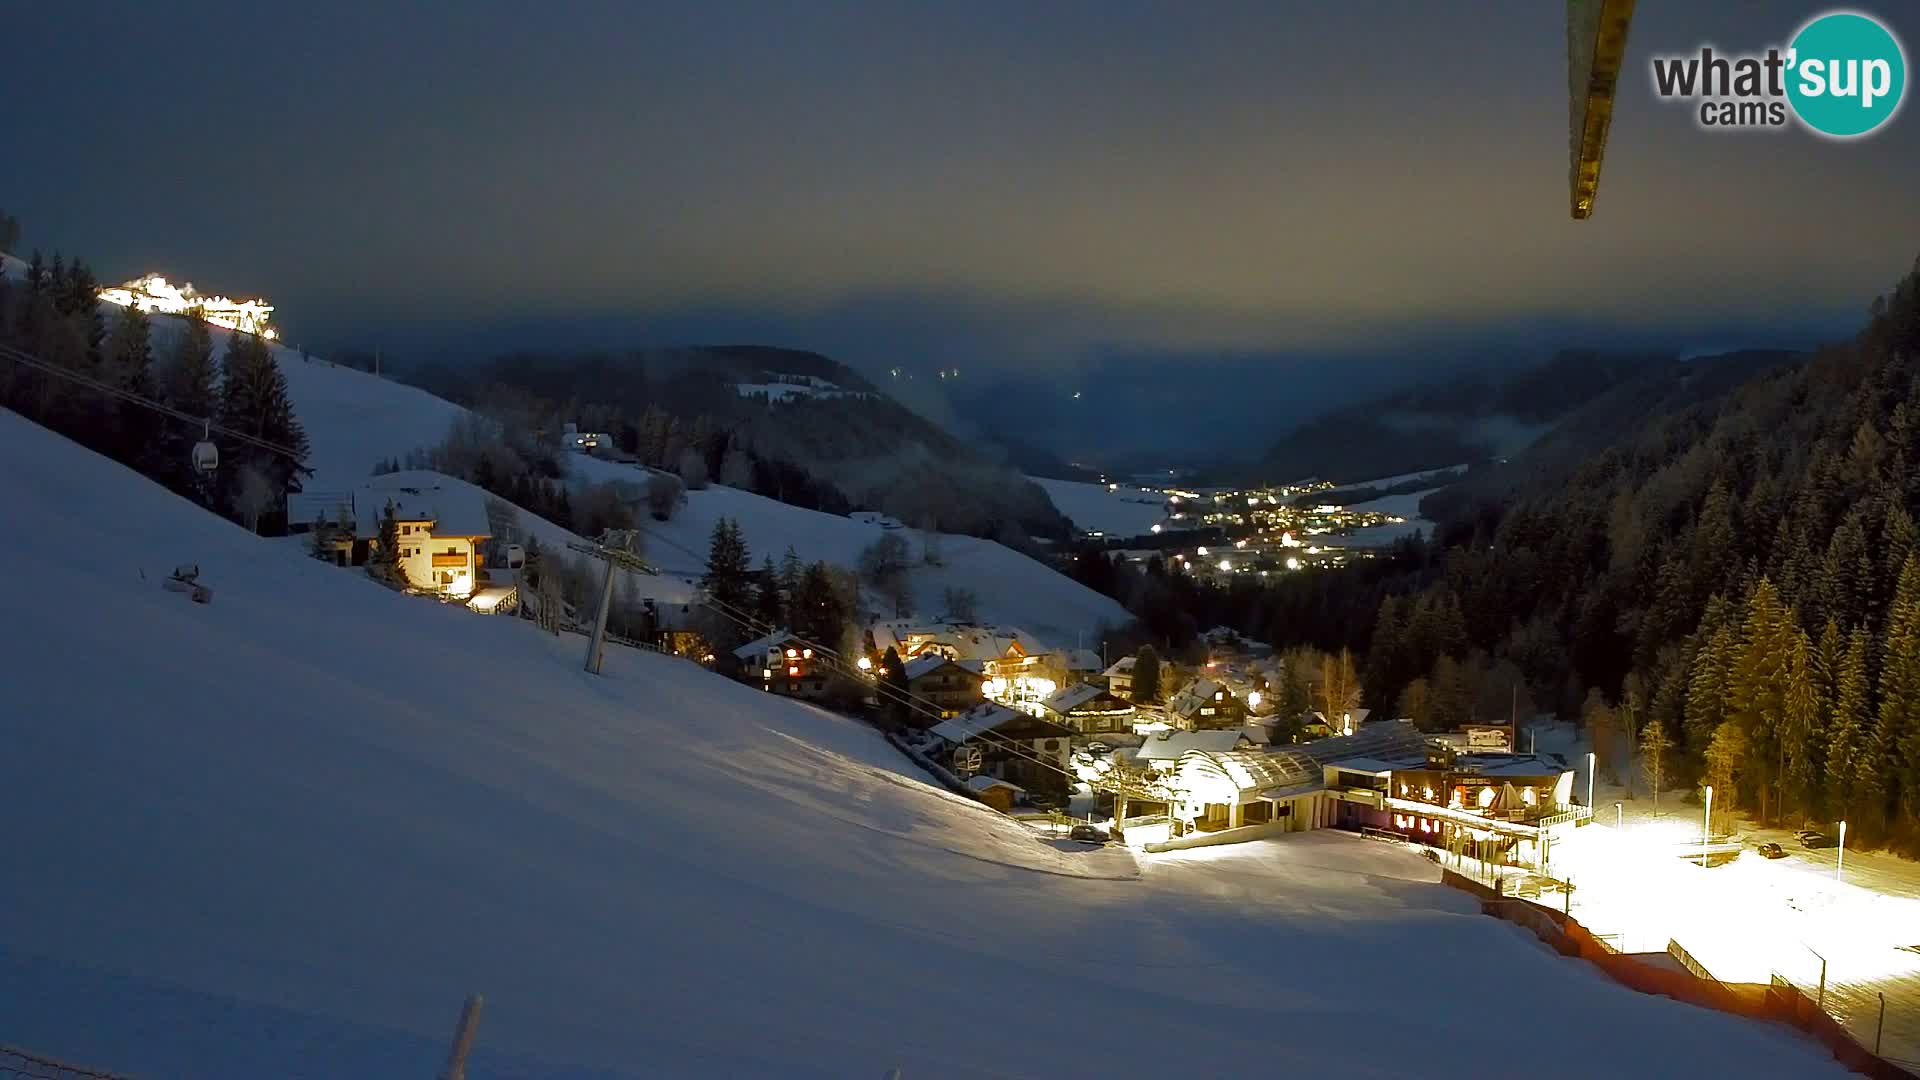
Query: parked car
column 1771, row 851
column 1098, row 748
column 1812, row 838
column 1088, row 834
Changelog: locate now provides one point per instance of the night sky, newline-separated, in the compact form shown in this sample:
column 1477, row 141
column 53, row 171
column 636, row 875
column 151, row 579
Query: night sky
column 1324, row 198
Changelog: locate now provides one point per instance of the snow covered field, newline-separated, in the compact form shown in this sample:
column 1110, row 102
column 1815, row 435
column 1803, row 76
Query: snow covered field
column 1405, row 506
column 1127, row 511
column 284, row 834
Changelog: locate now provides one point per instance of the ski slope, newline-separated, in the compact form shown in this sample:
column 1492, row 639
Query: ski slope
column 284, row 834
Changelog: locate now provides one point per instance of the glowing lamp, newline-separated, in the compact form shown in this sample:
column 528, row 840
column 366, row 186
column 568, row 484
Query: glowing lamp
column 865, row 664
column 793, row 670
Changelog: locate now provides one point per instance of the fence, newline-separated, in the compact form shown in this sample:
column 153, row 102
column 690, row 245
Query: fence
column 1778, row 1000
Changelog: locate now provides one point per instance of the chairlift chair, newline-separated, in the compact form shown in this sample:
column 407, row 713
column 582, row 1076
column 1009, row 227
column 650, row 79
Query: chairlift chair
column 206, row 456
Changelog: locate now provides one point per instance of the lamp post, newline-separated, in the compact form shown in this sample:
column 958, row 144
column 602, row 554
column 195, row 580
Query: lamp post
column 1841, row 861
column 1706, row 828
column 1619, row 818
column 1589, row 780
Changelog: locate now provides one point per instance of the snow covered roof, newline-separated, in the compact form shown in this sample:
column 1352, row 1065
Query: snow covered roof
column 1510, row 765
column 1306, row 788
column 1072, row 697
column 927, row 663
column 415, row 497
column 1194, row 696
column 1122, row 666
column 1209, row 774
column 453, row 511
column 984, row 782
column 758, row 647
column 973, row 723
column 1170, row 747
column 1081, row 659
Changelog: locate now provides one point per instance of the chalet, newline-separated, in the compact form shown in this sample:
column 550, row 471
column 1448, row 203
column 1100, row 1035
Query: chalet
column 1120, row 676
column 993, row 740
column 952, row 686
column 781, row 663
column 441, row 531
column 1080, row 665
column 1388, row 777
column 1206, row 704
column 1089, row 709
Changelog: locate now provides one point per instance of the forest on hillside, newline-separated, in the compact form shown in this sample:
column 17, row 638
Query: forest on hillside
column 834, row 452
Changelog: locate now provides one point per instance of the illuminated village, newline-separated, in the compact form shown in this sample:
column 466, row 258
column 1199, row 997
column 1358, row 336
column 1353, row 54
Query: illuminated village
column 155, row 295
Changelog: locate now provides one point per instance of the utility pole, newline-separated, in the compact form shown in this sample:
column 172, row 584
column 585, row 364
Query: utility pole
column 615, row 548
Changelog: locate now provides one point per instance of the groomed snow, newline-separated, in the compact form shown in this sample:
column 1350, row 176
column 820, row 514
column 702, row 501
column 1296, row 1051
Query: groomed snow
column 284, row 834
column 1125, row 511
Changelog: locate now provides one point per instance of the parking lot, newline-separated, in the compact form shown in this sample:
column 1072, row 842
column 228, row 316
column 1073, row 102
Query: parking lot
column 1748, row 918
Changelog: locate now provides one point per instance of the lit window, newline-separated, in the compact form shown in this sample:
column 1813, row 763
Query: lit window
column 1486, row 797
column 793, row 670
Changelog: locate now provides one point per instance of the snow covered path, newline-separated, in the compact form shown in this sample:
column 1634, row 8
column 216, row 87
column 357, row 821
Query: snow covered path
column 286, row 833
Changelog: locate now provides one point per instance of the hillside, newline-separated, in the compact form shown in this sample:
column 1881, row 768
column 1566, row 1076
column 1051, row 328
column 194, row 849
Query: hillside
column 786, row 407
column 1469, row 419
column 1659, row 392
column 355, row 420
column 285, row 833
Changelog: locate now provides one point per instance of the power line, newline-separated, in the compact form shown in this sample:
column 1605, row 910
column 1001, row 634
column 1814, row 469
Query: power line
column 27, row 359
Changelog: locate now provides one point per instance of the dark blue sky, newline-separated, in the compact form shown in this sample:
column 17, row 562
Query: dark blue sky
column 1333, row 196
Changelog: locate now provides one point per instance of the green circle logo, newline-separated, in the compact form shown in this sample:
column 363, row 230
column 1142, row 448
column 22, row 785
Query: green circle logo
column 1847, row 74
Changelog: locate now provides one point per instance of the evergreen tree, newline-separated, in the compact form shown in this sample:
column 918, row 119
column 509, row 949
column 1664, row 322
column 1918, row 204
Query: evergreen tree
column 254, row 401
column 791, row 570
column 893, row 672
column 1146, row 675
column 1847, row 736
column 727, row 579
column 384, row 563
column 769, row 606
column 1897, row 741
column 821, row 614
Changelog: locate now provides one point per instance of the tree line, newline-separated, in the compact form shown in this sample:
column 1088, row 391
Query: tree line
column 55, row 314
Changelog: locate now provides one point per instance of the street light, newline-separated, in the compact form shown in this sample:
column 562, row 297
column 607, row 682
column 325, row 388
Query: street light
column 1842, row 853
column 1619, row 817
column 1706, row 828
column 1589, row 780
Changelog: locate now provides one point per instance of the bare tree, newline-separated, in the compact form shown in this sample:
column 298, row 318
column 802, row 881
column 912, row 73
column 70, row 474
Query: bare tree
column 693, row 469
column 253, row 496
column 664, row 495
column 962, row 604
column 931, row 551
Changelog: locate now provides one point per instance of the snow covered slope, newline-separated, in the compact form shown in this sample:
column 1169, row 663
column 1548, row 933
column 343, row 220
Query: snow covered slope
column 355, row 420
column 285, row 833
column 1123, row 510
column 1012, row 589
